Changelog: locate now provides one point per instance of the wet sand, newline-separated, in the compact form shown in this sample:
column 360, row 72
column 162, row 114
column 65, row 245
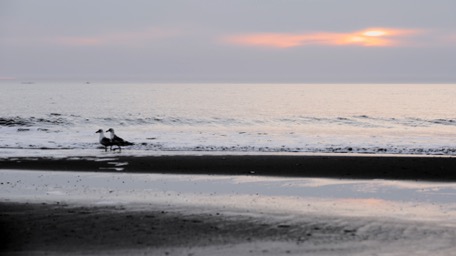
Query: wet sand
column 52, row 229
column 56, row 226
column 329, row 166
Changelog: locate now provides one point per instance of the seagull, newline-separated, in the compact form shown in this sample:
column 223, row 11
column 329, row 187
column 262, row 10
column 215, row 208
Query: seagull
column 103, row 140
column 117, row 141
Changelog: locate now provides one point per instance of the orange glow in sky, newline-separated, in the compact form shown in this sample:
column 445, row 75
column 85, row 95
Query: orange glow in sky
column 379, row 37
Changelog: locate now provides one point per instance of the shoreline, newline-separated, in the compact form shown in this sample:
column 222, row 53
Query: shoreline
column 311, row 166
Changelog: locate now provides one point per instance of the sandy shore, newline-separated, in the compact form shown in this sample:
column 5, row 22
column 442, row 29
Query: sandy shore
column 331, row 166
column 129, row 205
column 55, row 229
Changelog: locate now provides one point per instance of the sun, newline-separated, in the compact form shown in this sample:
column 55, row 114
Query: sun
column 374, row 33
column 369, row 37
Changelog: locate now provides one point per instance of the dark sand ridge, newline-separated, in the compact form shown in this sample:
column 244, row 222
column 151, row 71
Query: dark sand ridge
column 56, row 229
column 60, row 228
column 331, row 166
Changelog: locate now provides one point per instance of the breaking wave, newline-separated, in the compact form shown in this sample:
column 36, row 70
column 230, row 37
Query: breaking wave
column 52, row 119
column 56, row 119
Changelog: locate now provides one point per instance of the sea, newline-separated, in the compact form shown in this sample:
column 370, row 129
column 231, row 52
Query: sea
column 61, row 118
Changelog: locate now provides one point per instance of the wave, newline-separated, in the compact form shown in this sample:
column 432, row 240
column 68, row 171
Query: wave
column 282, row 149
column 360, row 121
column 158, row 147
column 33, row 121
column 364, row 121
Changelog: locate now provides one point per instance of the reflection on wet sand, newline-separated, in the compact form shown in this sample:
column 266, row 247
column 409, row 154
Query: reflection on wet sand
column 395, row 199
column 115, row 213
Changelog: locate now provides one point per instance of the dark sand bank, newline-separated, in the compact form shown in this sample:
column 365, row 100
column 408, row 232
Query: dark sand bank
column 56, row 229
column 353, row 167
column 60, row 228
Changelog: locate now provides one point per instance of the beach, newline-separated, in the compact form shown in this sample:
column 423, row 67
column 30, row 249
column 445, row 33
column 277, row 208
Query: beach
column 228, row 205
column 227, row 169
column 38, row 229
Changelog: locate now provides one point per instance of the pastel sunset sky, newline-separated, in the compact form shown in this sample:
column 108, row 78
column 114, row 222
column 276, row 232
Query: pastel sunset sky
column 328, row 41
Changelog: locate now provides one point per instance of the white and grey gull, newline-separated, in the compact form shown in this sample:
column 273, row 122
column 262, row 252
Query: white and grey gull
column 103, row 140
column 117, row 141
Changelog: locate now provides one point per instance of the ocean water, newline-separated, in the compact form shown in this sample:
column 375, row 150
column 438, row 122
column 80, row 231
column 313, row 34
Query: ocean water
column 62, row 117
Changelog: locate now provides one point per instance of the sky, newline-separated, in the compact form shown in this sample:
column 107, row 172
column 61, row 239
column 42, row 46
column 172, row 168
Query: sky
column 266, row 41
